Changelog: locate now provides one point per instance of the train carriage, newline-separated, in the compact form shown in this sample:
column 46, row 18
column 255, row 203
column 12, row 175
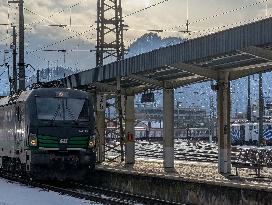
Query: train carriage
column 248, row 133
column 48, row 133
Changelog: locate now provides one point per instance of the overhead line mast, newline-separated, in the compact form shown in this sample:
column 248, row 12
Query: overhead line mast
column 110, row 45
column 109, row 25
column 14, row 53
column 21, row 44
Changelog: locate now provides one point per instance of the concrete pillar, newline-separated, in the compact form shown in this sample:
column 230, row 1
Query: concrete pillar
column 168, row 129
column 100, row 126
column 224, row 138
column 130, row 130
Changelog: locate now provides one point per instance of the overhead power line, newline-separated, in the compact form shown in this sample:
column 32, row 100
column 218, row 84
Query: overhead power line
column 219, row 14
column 186, row 30
column 44, row 18
column 146, row 8
column 227, row 26
column 84, row 32
column 57, row 13
column 49, row 20
column 60, row 41
column 228, row 12
column 172, row 29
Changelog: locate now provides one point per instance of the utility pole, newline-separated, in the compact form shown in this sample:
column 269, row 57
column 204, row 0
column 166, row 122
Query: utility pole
column 248, row 100
column 14, row 53
column 21, row 43
column 261, row 107
column 21, row 46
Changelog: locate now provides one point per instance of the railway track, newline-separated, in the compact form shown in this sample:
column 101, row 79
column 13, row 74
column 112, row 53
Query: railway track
column 88, row 192
column 200, row 153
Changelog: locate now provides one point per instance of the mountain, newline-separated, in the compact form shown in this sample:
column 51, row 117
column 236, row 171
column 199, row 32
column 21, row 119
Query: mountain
column 149, row 42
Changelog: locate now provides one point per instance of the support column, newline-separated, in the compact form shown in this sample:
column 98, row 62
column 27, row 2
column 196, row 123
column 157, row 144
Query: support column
column 130, row 130
column 223, row 125
column 168, row 129
column 100, row 126
column 261, row 110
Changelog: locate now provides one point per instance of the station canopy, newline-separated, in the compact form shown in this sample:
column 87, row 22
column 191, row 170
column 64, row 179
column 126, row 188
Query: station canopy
column 239, row 51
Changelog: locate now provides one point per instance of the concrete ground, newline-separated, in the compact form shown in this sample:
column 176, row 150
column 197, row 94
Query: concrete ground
column 195, row 172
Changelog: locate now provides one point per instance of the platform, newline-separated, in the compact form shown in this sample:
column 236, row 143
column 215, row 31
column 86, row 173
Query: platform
column 190, row 182
column 194, row 172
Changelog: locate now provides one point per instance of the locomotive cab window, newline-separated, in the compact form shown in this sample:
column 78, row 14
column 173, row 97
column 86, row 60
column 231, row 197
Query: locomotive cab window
column 76, row 109
column 62, row 109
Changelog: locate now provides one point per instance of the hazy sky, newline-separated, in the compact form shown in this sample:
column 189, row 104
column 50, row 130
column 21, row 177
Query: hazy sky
column 170, row 16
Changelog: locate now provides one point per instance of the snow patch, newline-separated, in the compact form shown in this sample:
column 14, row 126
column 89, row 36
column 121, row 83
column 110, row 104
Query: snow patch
column 12, row 193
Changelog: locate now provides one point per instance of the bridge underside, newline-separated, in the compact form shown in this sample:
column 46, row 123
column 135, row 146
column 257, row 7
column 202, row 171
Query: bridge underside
column 223, row 56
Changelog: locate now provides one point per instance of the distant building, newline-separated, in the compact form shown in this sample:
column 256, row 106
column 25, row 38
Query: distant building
column 193, row 117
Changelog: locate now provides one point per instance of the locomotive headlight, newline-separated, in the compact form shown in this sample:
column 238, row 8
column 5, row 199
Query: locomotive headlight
column 92, row 141
column 33, row 140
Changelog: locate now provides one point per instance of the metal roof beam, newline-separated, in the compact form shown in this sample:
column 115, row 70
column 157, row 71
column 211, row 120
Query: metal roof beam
column 249, row 70
column 185, row 81
column 259, row 52
column 103, row 87
column 190, row 68
column 173, row 75
column 140, row 89
column 146, row 80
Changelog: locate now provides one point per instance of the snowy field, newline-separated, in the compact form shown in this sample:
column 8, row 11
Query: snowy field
column 12, row 193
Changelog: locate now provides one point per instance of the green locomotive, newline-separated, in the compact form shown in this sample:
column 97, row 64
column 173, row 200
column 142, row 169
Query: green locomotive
column 48, row 133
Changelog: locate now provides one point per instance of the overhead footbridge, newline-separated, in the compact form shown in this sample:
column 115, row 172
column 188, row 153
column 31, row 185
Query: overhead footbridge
column 224, row 56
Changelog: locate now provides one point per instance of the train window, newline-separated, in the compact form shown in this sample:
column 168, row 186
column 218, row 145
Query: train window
column 49, row 108
column 76, row 109
column 62, row 109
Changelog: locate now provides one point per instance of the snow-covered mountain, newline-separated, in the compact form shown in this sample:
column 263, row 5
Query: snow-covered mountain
column 149, row 42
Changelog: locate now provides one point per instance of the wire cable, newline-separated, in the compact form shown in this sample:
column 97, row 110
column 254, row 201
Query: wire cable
column 220, row 14
column 146, row 8
column 84, row 32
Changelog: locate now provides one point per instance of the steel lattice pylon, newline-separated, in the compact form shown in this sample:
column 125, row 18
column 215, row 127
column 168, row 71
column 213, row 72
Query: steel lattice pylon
column 110, row 30
column 110, row 46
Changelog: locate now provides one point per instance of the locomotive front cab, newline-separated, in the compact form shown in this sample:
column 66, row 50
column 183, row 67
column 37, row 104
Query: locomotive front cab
column 61, row 135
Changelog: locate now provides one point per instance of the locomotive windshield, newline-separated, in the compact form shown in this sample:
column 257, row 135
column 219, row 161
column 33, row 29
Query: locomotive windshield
column 62, row 109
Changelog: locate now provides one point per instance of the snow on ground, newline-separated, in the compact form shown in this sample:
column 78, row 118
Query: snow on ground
column 12, row 193
column 149, row 161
